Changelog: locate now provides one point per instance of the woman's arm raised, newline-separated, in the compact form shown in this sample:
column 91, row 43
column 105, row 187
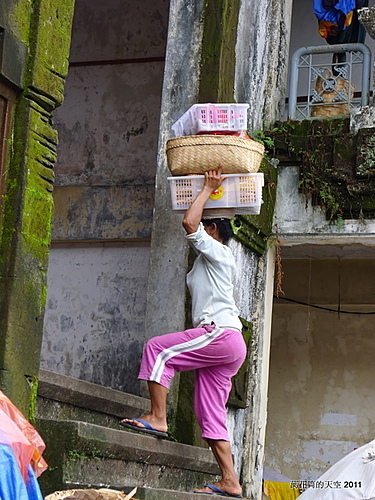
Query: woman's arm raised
column 193, row 215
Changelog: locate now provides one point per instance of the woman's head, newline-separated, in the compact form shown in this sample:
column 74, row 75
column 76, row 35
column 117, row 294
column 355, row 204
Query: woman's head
column 223, row 226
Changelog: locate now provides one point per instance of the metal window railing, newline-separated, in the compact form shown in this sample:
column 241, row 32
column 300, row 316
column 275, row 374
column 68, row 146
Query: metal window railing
column 328, row 87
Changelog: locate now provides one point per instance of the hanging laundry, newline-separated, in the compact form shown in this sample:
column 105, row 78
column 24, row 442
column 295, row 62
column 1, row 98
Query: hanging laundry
column 339, row 24
column 335, row 16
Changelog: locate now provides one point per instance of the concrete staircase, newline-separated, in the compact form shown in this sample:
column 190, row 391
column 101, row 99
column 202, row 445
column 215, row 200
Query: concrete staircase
column 87, row 448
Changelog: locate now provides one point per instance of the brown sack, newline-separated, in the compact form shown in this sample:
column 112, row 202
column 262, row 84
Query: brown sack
column 89, row 494
column 328, row 87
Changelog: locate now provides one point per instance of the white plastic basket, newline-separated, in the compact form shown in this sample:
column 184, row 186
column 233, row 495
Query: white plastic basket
column 243, row 192
column 212, row 118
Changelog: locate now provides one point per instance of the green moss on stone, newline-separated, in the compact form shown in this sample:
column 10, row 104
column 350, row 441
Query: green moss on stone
column 34, row 393
column 45, row 27
column 336, row 166
column 20, row 18
column 218, row 51
column 254, row 230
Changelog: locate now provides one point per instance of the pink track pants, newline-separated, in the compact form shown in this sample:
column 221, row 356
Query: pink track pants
column 215, row 353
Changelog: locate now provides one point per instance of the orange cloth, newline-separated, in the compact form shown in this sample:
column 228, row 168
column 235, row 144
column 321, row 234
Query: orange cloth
column 326, row 26
column 22, row 437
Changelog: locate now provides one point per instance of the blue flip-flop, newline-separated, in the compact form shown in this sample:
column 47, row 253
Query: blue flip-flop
column 217, row 491
column 147, row 429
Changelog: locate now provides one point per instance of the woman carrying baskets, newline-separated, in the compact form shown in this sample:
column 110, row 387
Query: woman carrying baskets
column 214, row 347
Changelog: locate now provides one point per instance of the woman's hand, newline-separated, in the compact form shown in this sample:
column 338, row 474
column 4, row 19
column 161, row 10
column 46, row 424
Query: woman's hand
column 213, row 178
column 193, row 215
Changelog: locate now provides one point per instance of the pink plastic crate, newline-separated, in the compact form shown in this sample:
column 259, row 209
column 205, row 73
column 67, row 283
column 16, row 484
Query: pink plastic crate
column 204, row 118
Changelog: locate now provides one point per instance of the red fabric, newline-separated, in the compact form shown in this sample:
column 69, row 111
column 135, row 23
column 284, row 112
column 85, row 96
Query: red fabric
column 22, row 437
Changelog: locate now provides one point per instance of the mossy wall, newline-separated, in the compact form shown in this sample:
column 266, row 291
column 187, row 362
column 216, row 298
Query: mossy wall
column 43, row 27
column 336, row 165
column 218, row 51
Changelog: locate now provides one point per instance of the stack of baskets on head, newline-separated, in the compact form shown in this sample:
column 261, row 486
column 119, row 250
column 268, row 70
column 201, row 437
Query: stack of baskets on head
column 209, row 135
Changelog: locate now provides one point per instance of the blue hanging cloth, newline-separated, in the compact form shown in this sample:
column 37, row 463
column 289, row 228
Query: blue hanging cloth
column 336, row 16
column 12, row 484
column 326, row 10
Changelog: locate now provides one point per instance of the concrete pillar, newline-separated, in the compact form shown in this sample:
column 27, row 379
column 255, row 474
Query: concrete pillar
column 198, row 61
column 165, row 310
column 254, row 437
column 35, row 47
column 262, row 55
column 249, row 66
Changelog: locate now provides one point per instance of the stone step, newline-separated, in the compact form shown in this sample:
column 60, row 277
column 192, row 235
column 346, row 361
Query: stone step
column 163, row 494
column 82, row 455
column 68, row 398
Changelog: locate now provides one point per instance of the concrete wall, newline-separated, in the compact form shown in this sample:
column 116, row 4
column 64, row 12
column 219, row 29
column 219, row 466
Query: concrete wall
column 262, row 59
column 105, row 174
column 320, row 388
column 262, row 51
column 104, row 192
column 96, row 311
column 260, row 80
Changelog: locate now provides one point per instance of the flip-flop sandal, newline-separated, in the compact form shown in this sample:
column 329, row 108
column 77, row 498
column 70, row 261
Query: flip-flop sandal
column 147, row 429
column 216, row 491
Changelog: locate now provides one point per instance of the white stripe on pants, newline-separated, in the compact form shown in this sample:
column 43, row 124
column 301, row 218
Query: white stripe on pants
column 215, row 353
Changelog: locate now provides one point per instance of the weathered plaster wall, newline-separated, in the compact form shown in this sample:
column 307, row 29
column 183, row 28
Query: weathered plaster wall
column 165, row 310
column 94, row 313
column 108, row 125
column 104, row 194
column 321, row 389
column 260, row 79
column 247, row 269
column 262, row 54
column 249, row 425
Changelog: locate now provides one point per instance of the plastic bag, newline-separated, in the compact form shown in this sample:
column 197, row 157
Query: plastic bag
column 351, row 478
column 22, row 437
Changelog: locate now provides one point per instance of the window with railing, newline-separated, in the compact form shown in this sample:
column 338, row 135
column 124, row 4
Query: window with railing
column 333, row 80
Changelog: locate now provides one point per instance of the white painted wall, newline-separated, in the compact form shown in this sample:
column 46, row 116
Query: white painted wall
column 262, row 55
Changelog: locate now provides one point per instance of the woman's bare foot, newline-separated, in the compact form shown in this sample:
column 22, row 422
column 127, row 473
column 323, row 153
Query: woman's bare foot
column 232, row 489
column 157, row 424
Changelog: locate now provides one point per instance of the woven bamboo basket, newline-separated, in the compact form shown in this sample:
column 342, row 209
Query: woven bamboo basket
column 196, row 154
